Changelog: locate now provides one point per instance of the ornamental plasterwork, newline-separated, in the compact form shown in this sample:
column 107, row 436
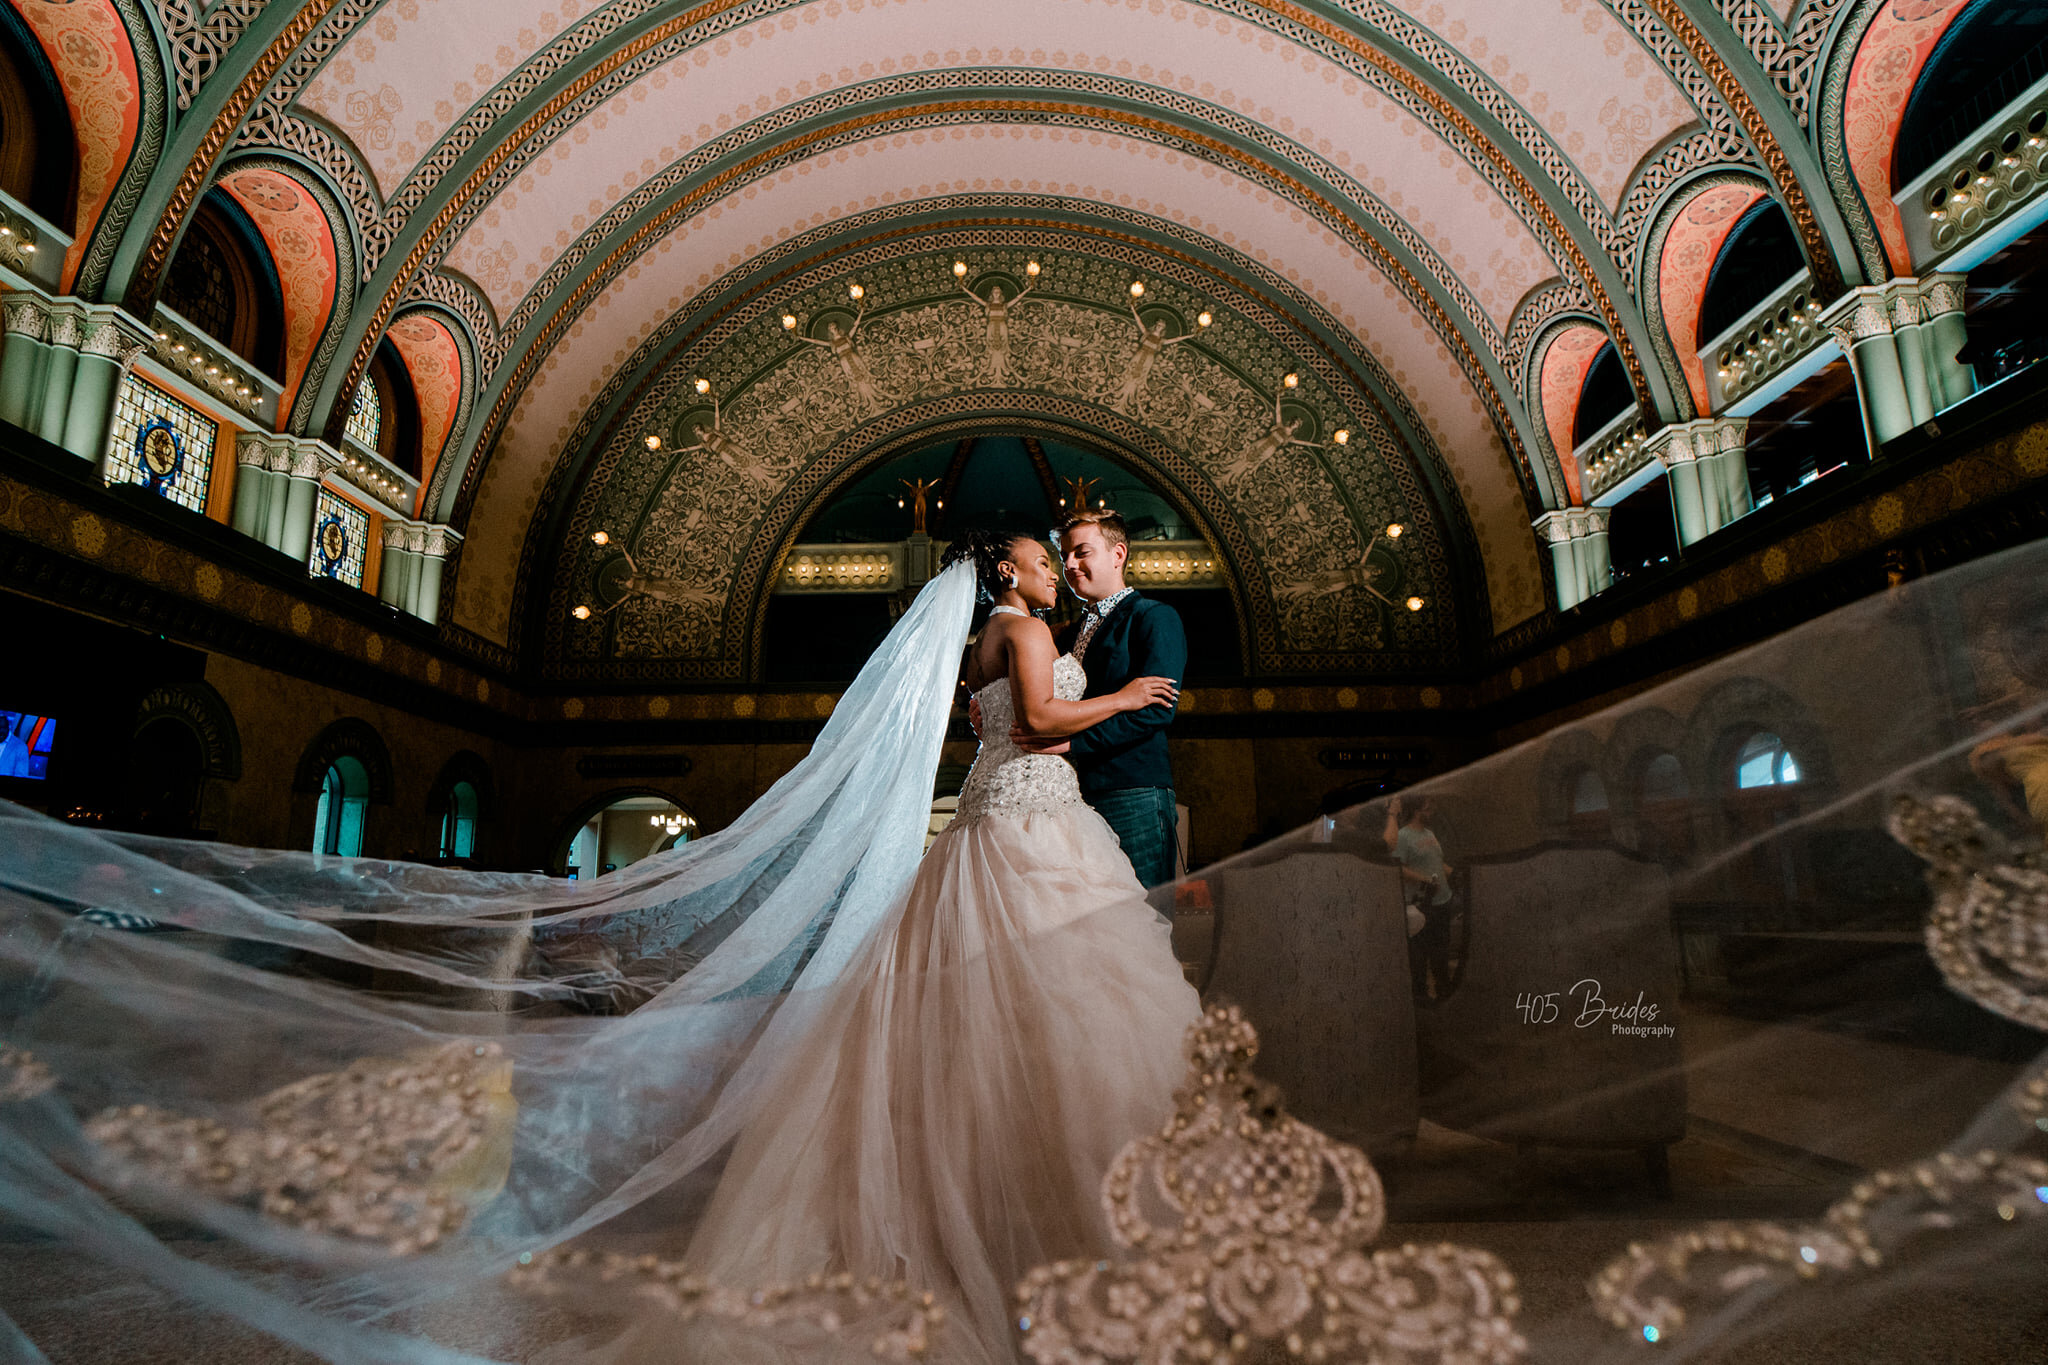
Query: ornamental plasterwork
column 199, row 38
column 664, row 184
column 731, row 347
column 119, row 210
column 684, row 504
column 1791, row 58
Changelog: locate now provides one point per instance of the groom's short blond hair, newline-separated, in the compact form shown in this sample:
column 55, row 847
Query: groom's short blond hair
column 1114, row 532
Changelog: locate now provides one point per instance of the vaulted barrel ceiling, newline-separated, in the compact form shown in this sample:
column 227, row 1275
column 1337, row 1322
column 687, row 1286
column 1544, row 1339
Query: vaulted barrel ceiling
column 604, row 216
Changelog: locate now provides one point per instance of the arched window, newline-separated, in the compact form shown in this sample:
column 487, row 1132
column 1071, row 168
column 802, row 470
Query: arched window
column 38, row 156
column 1664, row 807
column 1605, row 395
column 386, row 414
column 1764, row 761
column 223, row 282
column 624, row 831
column 338, row 819
column 1589, row 815
column 458, row 822
column 366, row 418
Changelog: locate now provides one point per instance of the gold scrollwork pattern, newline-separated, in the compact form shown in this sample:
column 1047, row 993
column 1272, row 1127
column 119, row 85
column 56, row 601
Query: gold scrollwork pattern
column 1232, row 1257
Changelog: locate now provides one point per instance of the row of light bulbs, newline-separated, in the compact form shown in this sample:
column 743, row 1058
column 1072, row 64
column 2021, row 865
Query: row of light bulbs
column 231, row 386
column 26, row 246
column 370, row 476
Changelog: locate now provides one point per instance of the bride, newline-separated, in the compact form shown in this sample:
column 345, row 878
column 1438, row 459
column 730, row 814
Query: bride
column 903, row 1068
column 1003, row 1033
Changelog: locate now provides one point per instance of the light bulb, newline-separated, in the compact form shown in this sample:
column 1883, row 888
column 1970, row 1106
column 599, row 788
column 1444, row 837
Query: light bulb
column 703, row 386
column 959, row 269
column 600, row 537
column 580, row 612
column 1415, row 604
column 856, row 293
column 1291, row 379
column 1342, row 437
column 1203, row 318
column 1031, row 268
column 1396, row 530
column 789, row 322
column 1137, row 289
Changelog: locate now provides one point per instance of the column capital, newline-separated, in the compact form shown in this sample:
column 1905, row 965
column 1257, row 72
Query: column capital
column 116, row 336
column 258, row 449
column 395, row 533
column 1673, row 445
column 1720, row 435
column 1553, row 528
column 27, row 315
column 65, row 323
column 1598, row 519
column 439, row 542
column 1942, row 292
column 1865, row 312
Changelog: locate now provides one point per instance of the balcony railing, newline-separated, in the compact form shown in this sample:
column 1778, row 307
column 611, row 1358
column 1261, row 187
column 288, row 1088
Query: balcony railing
column 1991, row 174
column 1775, row 335
column 1611, row 455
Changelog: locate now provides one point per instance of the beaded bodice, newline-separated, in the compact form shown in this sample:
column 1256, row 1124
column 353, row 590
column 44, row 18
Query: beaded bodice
column 1004, row 779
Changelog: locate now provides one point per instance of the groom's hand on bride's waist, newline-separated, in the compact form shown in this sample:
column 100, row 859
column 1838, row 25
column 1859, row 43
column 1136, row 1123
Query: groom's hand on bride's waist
column 1037, row 744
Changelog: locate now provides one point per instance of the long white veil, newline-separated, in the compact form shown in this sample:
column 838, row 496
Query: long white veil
column 551, row 1112
column 1693, row 1047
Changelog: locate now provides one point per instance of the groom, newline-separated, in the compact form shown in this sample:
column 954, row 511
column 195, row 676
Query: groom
column 1122, row 762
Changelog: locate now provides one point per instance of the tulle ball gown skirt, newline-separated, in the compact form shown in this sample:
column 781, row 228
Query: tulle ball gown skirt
column 983, row 1061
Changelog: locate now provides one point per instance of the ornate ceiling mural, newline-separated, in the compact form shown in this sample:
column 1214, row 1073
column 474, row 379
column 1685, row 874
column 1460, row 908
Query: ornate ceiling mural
column 565, row 212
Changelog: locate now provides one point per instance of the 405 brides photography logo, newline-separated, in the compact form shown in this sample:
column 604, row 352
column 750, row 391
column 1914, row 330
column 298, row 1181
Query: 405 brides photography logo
column 1589, row 1006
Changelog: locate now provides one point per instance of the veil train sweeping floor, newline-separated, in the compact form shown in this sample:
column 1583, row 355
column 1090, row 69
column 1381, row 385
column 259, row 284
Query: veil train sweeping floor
column 914, row 1069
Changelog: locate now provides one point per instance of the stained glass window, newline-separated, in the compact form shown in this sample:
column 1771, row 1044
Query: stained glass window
column 341, row 537
column 366, row 418
column 161, row 443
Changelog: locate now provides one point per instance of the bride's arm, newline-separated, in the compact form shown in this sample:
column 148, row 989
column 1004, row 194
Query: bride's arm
column 1030, row 653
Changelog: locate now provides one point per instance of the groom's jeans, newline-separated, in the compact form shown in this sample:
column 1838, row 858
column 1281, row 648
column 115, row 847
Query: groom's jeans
column 1145, row 824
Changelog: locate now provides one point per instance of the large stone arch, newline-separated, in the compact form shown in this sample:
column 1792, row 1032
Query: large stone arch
column 349, row 737
column 1669, row 276
column 202, row 710
column 1193, row 429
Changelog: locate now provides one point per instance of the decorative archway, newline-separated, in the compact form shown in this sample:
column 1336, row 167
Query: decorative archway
column 203, row 711
column 348, row 737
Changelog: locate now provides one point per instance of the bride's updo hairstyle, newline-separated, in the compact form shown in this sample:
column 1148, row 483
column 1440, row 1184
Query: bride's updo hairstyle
column 988, row 550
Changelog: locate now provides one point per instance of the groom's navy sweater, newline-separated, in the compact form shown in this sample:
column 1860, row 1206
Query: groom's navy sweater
column 1139, row 639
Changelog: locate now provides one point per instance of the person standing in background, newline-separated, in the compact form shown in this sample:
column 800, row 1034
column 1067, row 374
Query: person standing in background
column 1426, row 879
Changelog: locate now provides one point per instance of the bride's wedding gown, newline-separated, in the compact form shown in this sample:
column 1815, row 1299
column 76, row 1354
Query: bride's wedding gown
column 1014, row 1022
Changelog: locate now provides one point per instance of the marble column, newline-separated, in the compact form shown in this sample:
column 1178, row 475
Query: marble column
column 1720, row 445
column 1594, row 552
column 24, row 359
column 112, row 344
column 301, row 498
column 1942, row 335
column 438, row 544
column 65, row 334
column 398, row 581
column 1861, row 322
column 1554, row 530
column 1672, row 447
column 1909, row 339
column 250, row 513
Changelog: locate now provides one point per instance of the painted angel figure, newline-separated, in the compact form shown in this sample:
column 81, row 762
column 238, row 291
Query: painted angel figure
column 1138, row 369
column 636, row 582
column 743, row 465
column 1281, row 433
column 844, row 348
column 998, row 310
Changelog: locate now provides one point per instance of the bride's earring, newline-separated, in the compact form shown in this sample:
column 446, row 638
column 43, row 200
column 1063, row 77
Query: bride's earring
column 1009, row 581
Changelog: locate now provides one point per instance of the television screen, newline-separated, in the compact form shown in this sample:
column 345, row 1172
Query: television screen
column 25, row 745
